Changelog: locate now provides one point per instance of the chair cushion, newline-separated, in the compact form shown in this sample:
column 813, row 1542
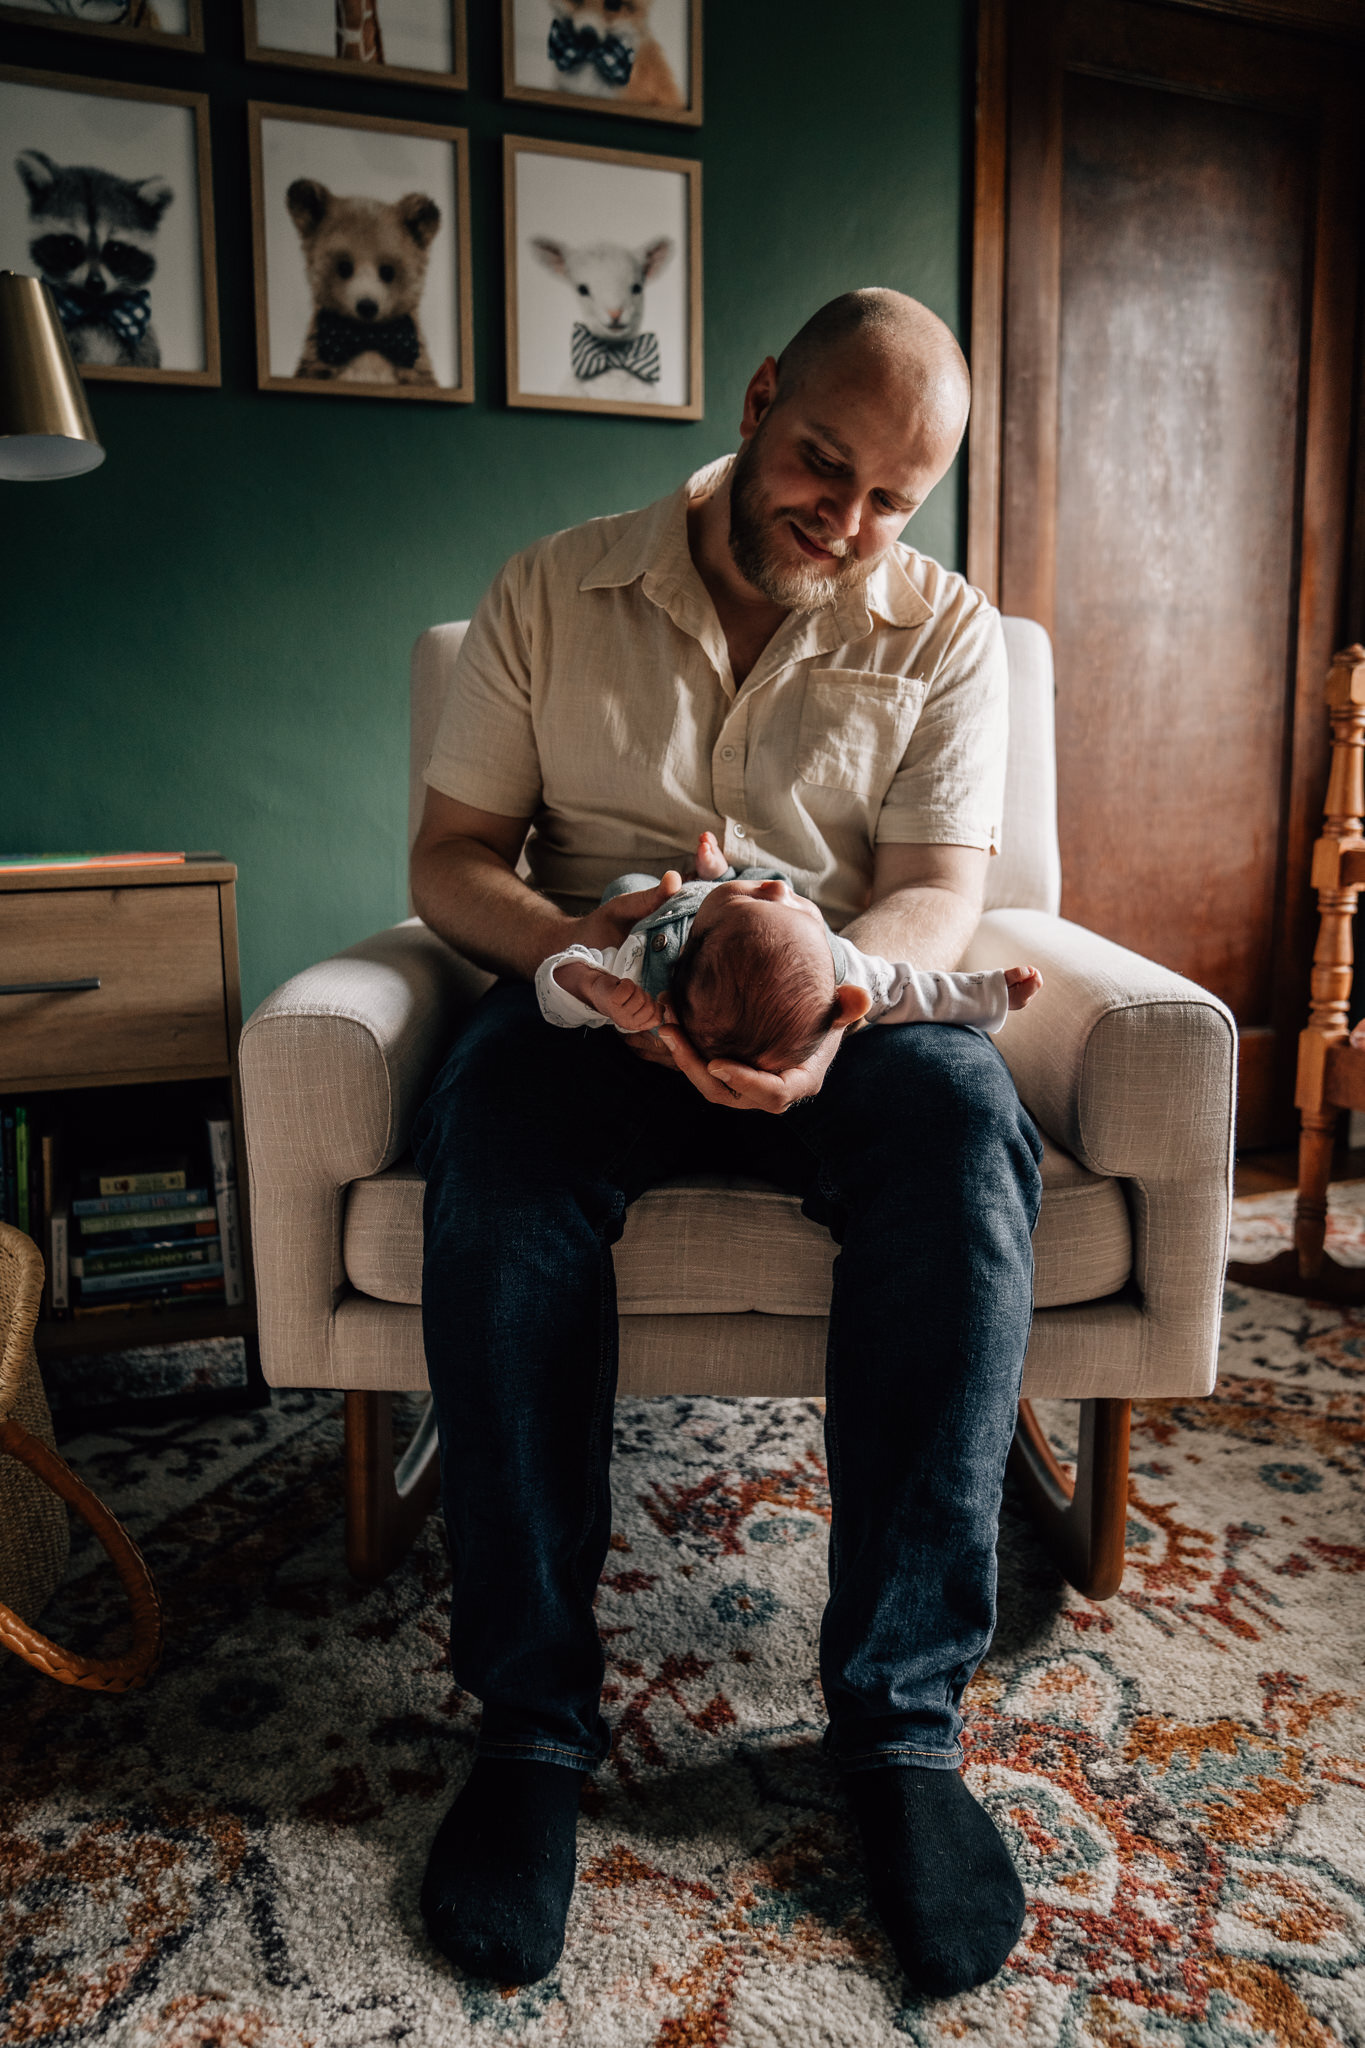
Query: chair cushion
column 707, row 1245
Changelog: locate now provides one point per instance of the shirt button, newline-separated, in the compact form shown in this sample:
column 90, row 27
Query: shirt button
column 740, row 832
column 659, row 942
column 727, row 753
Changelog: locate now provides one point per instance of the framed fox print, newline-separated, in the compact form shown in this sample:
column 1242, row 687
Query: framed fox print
column 603, row 280
column 362, row 256
column 418, row 42
column 175, row 24
column 105, row 194
column 635, row 57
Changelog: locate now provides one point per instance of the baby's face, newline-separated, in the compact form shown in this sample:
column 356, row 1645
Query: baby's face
column 736, row 903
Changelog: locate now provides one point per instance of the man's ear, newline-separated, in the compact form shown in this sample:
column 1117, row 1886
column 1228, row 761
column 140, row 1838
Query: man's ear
column 852, row 1004
column 759, row 397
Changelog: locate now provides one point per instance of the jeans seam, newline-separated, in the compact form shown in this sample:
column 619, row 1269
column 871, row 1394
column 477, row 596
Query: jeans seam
column 894, row 1749
column 497, row 1748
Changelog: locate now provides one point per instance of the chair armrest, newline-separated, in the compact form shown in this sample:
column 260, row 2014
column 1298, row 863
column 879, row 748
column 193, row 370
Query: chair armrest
column 334, row 1067
column 1131, row 1067
column 1134, row 1069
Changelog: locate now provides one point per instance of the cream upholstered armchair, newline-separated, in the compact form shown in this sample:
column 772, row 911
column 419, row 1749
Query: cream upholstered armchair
column 1128, row 1069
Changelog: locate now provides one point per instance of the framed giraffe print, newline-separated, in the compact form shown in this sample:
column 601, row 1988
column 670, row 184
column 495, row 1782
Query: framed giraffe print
column 419, row 42
column 603, row 280
column 361, row 230
column 635, row 57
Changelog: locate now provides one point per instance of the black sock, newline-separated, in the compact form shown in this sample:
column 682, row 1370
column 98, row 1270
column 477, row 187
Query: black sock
column 501, row 1870
column 940, row 1876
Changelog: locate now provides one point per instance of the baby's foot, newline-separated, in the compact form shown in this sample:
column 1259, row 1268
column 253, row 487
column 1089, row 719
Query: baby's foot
column 1023, row 984
column 711, row 862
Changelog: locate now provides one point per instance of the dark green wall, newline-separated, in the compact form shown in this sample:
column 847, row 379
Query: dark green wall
column 206, row 642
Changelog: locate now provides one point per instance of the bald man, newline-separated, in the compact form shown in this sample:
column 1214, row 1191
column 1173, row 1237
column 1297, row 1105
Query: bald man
column 756, row 656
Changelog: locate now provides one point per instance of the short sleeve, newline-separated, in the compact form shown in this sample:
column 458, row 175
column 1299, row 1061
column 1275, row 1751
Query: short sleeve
column 950, row 787
column 485, row 753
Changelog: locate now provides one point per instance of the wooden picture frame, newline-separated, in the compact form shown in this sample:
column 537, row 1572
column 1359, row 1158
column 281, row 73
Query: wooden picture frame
column 530, row 62
column 190, row 38
column 441, row 330
column 376, row 70
column 558, row 363
column 130, row 316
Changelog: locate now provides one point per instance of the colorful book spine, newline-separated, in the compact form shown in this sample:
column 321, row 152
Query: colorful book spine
column 122, row 1205
column 127, row 1283
column 130, row 1240
column 172, row 1181
column 159, row 1222
column 182, row 1290
column 223, row 1159
column 46, row 863
column 148, row 1258
column 59, row 1258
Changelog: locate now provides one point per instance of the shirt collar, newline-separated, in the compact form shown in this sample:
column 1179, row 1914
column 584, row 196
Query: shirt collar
column 654, row 547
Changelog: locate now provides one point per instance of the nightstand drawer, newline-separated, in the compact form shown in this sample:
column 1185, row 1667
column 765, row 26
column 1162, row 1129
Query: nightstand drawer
column 158, row 956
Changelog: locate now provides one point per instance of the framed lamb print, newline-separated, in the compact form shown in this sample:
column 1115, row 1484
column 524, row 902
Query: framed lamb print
column 362, row 256
column 603, row 280
column 417, row 42
column 105, row 193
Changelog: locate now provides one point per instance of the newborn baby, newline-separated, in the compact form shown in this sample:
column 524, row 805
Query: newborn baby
column 749, row 970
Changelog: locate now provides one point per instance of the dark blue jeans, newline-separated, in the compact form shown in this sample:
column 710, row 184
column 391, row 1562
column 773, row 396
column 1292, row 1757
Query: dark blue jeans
column 919, row 1159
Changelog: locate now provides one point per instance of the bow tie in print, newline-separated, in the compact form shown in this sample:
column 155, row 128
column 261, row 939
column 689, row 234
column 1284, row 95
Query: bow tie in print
column 592, row 354
column 571, row 48
column 340, row 339
column 126, row 314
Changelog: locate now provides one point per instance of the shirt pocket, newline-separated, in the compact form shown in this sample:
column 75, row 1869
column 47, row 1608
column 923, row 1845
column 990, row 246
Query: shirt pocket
column 855, row 728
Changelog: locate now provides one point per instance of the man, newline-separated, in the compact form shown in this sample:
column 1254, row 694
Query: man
column 758, row 657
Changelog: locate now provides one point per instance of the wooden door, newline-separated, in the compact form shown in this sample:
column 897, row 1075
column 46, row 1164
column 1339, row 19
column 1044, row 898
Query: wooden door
column 1163, row 339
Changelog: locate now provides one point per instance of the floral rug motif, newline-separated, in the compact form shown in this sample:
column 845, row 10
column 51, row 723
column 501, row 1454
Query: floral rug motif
column 232, row 1857
column 1263, row 1225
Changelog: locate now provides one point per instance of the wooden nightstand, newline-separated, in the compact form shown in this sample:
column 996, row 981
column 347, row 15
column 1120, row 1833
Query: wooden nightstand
column 162, row 944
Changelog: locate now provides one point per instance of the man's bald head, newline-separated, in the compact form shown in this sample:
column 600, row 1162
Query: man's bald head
column 893, row 338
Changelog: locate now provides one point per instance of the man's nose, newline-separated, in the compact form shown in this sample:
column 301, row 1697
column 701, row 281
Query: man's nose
column 841, row 512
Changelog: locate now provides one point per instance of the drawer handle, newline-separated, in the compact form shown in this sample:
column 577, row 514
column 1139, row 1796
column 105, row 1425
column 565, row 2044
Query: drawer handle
column 48, row 988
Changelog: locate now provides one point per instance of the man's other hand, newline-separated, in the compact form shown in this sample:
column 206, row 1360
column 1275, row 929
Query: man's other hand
column 733, row 1086
column 608, row 925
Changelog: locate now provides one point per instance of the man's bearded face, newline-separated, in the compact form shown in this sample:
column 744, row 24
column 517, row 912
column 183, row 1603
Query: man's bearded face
column 767, row 556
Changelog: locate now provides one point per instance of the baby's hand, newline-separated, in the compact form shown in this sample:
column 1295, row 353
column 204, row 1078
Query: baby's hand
column 1023, row 984
column 711, row 862
column 621, row 1001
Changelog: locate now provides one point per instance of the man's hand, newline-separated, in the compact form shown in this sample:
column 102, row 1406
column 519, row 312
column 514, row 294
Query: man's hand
column 733, row 1086
column 607, row 926
column 621, row 1002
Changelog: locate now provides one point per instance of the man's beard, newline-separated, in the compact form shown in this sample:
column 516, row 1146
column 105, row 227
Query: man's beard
column 754, row 548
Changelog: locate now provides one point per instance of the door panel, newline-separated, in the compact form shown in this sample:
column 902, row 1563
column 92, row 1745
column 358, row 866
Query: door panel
column 1178, row 285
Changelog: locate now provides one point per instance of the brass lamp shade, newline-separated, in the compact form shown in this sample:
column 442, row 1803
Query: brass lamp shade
column 45, row 424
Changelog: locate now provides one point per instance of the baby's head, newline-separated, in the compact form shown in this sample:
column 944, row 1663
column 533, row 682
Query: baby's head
column 755, row 981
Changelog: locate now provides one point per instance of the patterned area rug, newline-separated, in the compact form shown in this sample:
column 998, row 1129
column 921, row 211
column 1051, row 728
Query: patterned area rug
column 1263, row 1225
column 233, row 1856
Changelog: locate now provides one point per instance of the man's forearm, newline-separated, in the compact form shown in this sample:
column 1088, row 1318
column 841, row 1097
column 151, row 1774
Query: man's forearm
column 479, row 905
column 928, row 926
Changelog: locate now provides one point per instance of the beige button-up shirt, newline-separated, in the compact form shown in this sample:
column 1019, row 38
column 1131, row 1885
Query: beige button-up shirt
column 594, row 696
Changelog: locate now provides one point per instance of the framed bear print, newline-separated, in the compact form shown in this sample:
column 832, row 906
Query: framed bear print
column 419, row 42
column 362, row 256
column 635, row 57
column 603, row 280
column 105, row 194
column 175, row 24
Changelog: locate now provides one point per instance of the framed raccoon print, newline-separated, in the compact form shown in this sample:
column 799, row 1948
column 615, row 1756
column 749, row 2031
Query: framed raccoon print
column 636, row 57
column 419, row 41
column 603, row 280
column 105, row 194
column 362, row 256
column 175, row 24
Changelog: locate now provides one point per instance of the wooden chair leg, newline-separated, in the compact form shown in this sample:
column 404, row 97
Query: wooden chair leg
column 1315, row 1171
column 1083, row 1523
column 386, row 1504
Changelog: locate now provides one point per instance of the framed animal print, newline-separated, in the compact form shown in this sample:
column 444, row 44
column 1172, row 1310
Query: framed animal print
column 421, row 42
column 362, row 256
column 105, row 193
column 635, row 57
column 603, row 280
column 175, row 24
